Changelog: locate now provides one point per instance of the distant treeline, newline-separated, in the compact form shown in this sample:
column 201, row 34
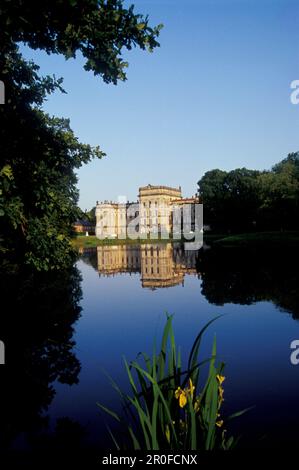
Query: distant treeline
column 251, row 200
column 89, row 216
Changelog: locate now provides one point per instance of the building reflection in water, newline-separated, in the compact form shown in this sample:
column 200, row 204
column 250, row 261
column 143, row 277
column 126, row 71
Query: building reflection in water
column 160, row 265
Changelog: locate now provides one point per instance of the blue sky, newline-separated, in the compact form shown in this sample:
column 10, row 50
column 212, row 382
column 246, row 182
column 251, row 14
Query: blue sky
column 216, row 94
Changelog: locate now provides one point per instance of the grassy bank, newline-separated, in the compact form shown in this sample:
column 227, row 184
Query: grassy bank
column 82, row 241
column 257, row 238
column 219, row 239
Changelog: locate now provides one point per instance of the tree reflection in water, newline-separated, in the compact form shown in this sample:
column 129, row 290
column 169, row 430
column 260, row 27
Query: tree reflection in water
column 251, row 274
column 37, row 328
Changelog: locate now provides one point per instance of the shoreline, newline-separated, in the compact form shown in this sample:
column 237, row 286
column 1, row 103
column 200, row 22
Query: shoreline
column 220, row 239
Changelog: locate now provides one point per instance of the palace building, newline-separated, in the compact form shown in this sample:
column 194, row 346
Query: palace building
column 154, row 208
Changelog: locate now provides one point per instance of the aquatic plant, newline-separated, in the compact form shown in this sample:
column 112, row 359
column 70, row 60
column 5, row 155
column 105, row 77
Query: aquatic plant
column 170, row 408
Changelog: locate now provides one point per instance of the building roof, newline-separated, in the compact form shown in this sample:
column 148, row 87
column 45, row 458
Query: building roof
column 83, row 222
column 150, row 186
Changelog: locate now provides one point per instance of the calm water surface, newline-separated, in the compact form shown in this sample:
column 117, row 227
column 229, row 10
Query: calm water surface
column 127, row 291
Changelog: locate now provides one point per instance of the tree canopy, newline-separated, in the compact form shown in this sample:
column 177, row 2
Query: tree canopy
column 246, row 200
column 40, row 153
column 99, row 29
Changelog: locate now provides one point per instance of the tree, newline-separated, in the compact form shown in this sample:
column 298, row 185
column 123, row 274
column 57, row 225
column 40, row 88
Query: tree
column 39, row 153
column 99, row 29
column 212, row 193
column 279, row 195
column 230, row 198
column 91, row 215
column 242, row 199
column 245, row 200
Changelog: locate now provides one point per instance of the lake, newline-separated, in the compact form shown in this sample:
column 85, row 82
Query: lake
column 64, row 334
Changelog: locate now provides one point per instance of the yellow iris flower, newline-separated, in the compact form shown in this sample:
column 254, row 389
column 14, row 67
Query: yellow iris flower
column 181, row 396
column 220, row 378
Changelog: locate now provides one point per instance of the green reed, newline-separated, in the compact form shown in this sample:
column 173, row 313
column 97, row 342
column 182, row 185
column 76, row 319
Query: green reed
column 167, row 408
